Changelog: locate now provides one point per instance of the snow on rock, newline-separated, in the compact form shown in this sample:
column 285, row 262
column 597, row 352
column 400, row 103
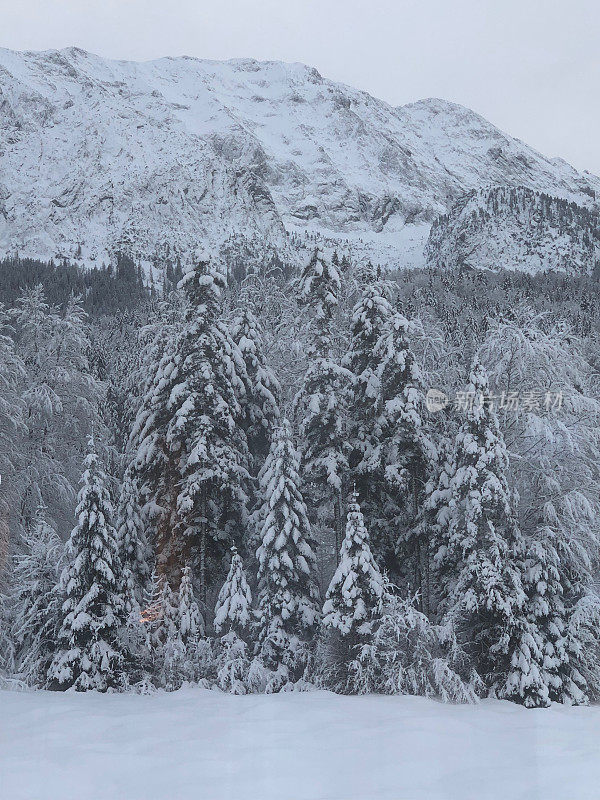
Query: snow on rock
column 157, row 157
column 516, row 228
column 306, row 746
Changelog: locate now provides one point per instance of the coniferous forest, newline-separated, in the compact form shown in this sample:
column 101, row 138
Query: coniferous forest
column 237, row 480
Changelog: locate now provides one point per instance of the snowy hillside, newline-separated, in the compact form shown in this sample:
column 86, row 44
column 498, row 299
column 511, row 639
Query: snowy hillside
column 200, row 744
column 517, row 229
column 99, row 155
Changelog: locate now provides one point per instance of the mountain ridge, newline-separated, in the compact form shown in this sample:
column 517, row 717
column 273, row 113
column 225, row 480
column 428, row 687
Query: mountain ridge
column 166, row 155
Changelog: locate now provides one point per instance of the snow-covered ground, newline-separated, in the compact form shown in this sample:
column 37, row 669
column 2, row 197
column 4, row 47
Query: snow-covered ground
column 317, row 746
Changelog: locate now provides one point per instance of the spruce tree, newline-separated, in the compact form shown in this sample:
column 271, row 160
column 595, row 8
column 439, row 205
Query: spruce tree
column 551, row 659
column 320, row 404
column 437, row 507
column 287, row 590
column 192, row 450
column 233, row 611
column 318, row 289
column 481, row 544
column 260, row 408
column 89, row 653
column 356, row 590
column 7, row 666
column 203, row 429
column 538, row 649
column 259, row 412
column 352, row 603
column 134, row 550
column 233, row 618
column 405, row 459
column 161, row 613
column 370, row 321
column 554, row 471
column 182, row 628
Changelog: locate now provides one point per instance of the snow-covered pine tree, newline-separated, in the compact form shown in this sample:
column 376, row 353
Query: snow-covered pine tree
column 151, row 465
column 233, row 619
column 233, row 611
column 259, row 412
column 160, row 613
column 191, row 623
column 287, row 591
column 356, row 591
column 370, row 320
column 260, row 408
column 155, row 353
column 37, row 601
column 478, row 559
column 134, row 551
column 88, row 654
column 406, row 457
column 435, row 512
column 160, row 617
column 158, row 624
column 154, row 467
column 7, row 666
column 352, row 605
column 192, row 450
column 540, row 657
column 320, row 403
column 183, row 626
column 318, row 289
column 558, row 658
column 204, row 428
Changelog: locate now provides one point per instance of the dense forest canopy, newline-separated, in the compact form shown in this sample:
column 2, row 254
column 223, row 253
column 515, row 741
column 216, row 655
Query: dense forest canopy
column 234, row 478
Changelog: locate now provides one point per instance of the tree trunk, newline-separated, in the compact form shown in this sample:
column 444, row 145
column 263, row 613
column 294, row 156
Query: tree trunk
column 203, row 537
column 203, row 564
column 337, row 514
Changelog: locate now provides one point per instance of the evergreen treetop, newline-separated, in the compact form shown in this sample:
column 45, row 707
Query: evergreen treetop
column 356, row 591
column 233, row 610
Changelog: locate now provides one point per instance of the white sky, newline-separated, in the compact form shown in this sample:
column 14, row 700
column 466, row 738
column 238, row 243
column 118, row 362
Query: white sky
column 532, row 67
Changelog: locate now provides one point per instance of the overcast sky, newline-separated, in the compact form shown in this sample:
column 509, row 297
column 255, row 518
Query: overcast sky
column 532, row 67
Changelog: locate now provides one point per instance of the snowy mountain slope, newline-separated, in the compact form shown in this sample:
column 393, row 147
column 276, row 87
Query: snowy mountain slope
column 518, row 229
column 97, row 155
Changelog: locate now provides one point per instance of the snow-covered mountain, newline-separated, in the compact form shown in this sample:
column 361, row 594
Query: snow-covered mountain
column 517, row 229
column 98, row 155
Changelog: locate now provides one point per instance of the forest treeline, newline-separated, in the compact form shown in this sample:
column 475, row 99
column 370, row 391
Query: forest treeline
column 103, row 290
column 266, row 503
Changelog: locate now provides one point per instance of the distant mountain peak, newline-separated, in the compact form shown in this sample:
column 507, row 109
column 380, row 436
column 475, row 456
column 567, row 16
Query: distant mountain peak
column 165, row 155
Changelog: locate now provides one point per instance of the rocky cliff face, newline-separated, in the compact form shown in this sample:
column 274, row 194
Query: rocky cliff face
column 517, row 229
column 170, row 155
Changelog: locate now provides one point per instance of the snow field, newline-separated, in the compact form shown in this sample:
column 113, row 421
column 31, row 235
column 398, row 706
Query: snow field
column 207, row 745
